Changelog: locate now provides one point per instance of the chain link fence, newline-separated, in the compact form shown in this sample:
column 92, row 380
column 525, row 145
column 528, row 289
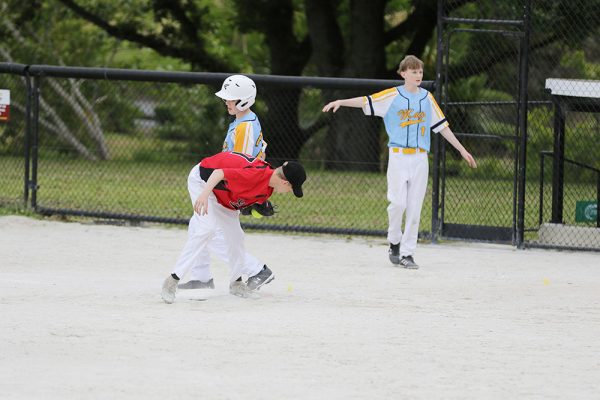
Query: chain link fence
column 119, row 144
column 116, row 148
column 564, row 133
column 12, row 143
column 480, row 92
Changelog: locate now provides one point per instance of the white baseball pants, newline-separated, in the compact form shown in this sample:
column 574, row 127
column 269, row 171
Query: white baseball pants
column 407, row 176
column 203, row 229
column 218, row 247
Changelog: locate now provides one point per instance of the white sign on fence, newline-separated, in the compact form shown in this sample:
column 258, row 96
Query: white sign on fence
column 4, row 104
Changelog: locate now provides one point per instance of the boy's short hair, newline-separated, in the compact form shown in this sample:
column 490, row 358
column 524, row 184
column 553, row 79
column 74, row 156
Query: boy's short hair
column 410, row 62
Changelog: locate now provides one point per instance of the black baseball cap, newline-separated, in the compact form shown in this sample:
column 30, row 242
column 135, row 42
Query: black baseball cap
column 294, row 174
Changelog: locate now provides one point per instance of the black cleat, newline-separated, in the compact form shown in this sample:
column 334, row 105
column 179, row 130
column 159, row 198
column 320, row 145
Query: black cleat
column 394, row 253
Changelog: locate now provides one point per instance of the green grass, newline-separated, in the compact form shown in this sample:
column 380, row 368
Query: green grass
column 333, row 199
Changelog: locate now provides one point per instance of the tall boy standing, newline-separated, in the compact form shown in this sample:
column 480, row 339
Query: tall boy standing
column 409, row 113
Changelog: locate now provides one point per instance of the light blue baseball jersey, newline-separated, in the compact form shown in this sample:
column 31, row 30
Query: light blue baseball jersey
column 245, row 136
column 408, row 117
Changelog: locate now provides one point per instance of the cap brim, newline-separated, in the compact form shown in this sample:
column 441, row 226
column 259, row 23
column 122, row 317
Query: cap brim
column 298, row 191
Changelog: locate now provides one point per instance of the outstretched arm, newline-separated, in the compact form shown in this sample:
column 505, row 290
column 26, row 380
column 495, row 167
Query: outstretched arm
column 201, row 204
column 356, row 102
column 453, row 140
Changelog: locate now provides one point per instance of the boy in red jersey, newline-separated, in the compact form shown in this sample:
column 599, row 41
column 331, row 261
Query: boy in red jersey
column 219, row 187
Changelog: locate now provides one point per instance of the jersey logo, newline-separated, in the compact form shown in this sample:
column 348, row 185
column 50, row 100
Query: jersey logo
column 409, row 118
column 407, row 123
column 237, row 205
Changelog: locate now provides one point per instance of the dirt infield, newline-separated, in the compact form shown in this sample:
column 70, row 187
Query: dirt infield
column 82, row 318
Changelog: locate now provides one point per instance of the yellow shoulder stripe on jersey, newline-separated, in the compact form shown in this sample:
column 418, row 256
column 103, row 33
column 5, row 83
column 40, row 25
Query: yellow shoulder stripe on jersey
column 240, row 141
column 384, row 94
column 259, row 140
column 435, row 106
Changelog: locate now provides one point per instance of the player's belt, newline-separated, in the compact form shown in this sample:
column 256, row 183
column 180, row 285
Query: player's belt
column 407, row 150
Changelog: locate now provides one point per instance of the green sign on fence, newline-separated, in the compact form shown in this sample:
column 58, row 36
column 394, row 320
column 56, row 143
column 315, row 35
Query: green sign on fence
column 586, row 211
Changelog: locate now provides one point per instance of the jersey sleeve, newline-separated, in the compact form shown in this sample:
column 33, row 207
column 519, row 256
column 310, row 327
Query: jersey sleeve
column 379, row 103
column 243, row 140
column 438, row 120
column 262, row 146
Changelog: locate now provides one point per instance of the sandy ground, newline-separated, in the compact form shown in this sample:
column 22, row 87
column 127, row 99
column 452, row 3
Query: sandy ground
column 82, row 318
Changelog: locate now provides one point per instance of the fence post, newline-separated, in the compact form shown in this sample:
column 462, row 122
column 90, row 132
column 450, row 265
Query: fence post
column 34, row 141
column 27, row 143
column 435, row 190
column 523, row 75
column 598, row 199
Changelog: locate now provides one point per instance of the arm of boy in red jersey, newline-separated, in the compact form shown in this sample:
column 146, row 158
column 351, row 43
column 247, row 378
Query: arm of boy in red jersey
column 201, row 204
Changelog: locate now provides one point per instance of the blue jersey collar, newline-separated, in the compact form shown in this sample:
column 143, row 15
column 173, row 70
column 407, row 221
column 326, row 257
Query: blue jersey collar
column 406, row 93
column 248, row 117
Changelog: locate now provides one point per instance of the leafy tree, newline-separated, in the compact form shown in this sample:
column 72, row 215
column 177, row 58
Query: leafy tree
column 341, row 38
column 348, row 38
column 67, row 111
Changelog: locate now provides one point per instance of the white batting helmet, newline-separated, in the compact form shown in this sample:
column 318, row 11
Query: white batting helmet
column 239, row 87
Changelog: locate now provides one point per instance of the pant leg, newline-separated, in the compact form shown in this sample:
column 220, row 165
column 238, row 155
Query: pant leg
column 417, row 187
column 201, row 229
column 228, row 221
column 218, row 247
column 196, row 247
column 397, row 181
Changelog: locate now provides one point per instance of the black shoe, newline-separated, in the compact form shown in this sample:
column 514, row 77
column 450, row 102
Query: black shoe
column 197, row 285
column 394, row 253
column 408, row 262
column 262, row 278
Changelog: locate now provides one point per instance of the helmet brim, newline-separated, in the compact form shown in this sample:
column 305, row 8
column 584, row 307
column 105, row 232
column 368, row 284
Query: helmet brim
column 225, row 96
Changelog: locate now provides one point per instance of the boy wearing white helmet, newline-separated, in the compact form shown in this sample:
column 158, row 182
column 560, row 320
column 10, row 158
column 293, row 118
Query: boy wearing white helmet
column 244, row 135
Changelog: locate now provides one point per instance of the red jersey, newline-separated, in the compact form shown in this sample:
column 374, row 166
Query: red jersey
column 246, row 179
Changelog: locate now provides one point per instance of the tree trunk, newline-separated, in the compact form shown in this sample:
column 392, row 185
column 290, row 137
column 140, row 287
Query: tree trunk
column 281, row 125
column 353, row 139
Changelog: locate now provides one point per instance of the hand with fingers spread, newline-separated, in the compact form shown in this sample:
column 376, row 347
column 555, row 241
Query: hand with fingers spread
column 356, row 102
column 201, row 204
column 334, row 105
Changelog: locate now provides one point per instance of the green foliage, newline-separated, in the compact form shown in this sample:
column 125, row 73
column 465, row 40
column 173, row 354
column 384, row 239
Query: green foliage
column 232, row 32
column 192, row 121
column 581, row 130
column 574, row 64
column 10, row 142
column 46, row 35
column 130, row 56
column 118, row 115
